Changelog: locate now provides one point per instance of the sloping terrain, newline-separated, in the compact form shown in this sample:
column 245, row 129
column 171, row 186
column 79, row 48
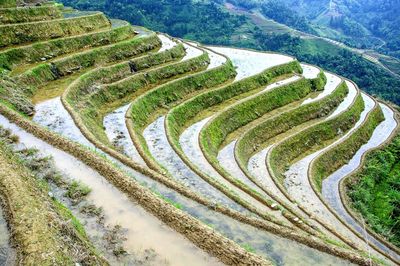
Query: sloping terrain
column 140, row 148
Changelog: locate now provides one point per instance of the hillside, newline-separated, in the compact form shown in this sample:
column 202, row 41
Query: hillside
column 120, row 145
column 251, row 30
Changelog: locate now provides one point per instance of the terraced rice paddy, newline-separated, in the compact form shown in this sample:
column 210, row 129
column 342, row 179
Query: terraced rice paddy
column 197, row 155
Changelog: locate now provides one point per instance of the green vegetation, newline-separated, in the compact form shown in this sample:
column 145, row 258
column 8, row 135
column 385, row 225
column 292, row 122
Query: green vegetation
column 248, row 247
column 8, row 3
column 158, row 101
column 173, row 203
column 40, row 225
column 93, row 107
column 179, row 116
column 336, row 157
column 279, row 12
column 13, row 94
column 113, row 73
column 299, row 145
column 253, row 140
column 214, row 133
column 46, row 72
column 38, row 51
column 375, row 191
column 30, row 14
column 183, row 20
column 12, row 34
column 76, row 190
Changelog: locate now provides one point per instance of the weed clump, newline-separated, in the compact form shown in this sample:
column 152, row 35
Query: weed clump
column 77, row 191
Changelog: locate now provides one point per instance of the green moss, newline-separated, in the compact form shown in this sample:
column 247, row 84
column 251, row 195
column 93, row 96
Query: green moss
column 77, row 190
column 336, row 157
column 8, row 3
column 14, row 34
column 173, row 203
column 299, row 145
column 13, row 95
column 248, row 247
column 68, row 216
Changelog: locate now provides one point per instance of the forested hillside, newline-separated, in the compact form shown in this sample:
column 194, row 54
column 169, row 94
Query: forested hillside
column 181, row 18
column 203, row 21
column 361, row 23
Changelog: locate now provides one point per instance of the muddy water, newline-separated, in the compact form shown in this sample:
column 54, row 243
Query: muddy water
column 226, row 158
column 7, row 253
column 51, row 114
column 118, row 134
column 297, row 184
column 189, row 142
column 249, row 63
column 279, row 250
column 143, row 231
column 258, row 169
column 330, row 185
column 160, row 149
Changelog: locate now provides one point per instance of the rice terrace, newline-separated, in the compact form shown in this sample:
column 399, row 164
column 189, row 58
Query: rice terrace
column 124, row 146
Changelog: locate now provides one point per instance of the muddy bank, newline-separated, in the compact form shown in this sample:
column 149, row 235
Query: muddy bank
column 7, row 252
column 119, row 210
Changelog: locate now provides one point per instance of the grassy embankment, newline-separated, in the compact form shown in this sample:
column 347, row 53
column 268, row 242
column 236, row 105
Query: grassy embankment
column 45, row 231
column 315, row 137
column 90, row 108
column 29, row 32
column 30, row 14
column 374, row 191
column 334, row 158
column 254, row 139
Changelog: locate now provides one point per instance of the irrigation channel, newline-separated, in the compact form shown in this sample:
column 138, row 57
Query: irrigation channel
column 51, row 114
